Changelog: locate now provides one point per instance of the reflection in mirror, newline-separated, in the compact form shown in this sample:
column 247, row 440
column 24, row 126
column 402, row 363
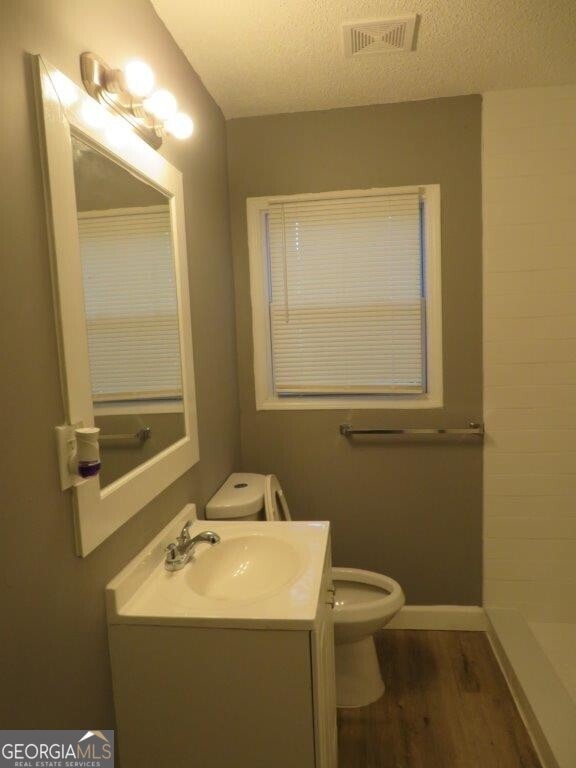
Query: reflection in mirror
column 131, row 311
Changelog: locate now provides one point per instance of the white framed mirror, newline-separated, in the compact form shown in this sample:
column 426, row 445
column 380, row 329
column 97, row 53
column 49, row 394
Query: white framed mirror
column 120, row 277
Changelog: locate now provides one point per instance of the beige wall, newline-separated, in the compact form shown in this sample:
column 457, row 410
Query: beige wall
column 54, row 657
column 412, row 511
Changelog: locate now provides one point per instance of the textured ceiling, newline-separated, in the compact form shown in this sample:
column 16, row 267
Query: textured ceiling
column 261, row 57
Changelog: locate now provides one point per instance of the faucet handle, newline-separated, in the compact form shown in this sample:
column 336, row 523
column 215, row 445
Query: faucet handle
column 184, row 535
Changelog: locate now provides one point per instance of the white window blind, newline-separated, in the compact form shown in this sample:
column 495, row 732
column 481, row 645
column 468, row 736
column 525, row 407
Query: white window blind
column 347, row 311
column 131, row 304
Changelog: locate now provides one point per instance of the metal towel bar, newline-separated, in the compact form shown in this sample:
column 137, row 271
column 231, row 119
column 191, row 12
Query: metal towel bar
column 143, row 434
column 473, row 429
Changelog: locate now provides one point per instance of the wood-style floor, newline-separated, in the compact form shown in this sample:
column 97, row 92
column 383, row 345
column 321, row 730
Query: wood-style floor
column 446, row 705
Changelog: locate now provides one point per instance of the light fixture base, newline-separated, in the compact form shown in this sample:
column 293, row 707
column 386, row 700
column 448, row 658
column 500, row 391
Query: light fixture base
column 104, row 84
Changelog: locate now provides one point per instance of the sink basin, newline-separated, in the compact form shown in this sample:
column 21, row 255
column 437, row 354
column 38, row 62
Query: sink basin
column 260, row 575
column 244, row 568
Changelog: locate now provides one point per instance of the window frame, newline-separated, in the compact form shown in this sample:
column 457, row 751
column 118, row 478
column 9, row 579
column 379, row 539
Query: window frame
column 266, row 399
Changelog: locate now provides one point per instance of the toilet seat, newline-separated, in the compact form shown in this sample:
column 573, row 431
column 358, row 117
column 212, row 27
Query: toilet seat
column 359, row 598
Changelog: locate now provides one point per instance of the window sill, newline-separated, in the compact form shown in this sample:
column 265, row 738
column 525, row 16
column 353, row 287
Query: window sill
column 399, row 403
column 136, row 407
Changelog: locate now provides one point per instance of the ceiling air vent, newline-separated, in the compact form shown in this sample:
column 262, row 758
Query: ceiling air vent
column 379, row 36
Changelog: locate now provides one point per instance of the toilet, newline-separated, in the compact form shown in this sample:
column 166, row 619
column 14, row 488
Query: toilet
column 364, row 601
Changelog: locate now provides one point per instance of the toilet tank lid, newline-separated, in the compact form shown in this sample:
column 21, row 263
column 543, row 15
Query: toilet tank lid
column 241, row 495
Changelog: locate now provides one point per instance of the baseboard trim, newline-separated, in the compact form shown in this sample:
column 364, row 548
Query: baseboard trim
column 456, row 617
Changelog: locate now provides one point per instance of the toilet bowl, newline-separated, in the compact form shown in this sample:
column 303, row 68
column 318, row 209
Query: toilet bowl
column 364, row 601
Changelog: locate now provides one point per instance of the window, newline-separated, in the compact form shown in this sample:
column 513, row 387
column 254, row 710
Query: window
column 346, row 299
column 131, row 305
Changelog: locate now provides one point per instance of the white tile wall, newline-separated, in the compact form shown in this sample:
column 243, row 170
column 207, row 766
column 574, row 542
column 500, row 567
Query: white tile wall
column 529, row 189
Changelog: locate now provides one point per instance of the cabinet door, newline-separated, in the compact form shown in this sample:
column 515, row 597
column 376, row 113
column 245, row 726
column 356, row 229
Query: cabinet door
column 212, row 698
column 324, row 677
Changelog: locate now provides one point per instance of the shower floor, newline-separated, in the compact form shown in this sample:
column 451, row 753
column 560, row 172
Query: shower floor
column 558, row 640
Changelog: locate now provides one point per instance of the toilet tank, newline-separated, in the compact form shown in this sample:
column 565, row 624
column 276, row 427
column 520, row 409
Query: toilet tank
column 240, row 498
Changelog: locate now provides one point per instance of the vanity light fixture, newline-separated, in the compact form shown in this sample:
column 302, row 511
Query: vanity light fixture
column 180, row 126
column 161, row 104
column 130, row 93
column 139, row 79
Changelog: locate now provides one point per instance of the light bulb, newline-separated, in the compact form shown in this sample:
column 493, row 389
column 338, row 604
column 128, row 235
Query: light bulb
column 161, row 104
column 139, row 78
column 93, row 114
column 180, row 126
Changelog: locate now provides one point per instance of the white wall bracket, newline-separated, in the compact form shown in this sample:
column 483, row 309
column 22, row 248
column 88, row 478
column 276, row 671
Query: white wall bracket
column 66, row 446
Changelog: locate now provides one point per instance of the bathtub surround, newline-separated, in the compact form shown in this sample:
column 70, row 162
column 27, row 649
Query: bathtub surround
column 55, row 660
column 529, row 177
column 529, row 159
column 411, row 510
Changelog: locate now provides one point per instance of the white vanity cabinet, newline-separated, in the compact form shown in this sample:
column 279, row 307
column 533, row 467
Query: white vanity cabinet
column 252, row 691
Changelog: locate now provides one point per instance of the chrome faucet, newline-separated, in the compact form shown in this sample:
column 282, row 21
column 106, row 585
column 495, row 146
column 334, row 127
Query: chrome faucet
column 179, row 552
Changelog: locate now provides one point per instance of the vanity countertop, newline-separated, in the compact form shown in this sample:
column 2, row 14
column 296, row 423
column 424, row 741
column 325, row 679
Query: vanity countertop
column 261, row 575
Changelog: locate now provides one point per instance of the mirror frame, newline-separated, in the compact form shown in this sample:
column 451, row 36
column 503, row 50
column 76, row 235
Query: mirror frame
column 61, row 108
